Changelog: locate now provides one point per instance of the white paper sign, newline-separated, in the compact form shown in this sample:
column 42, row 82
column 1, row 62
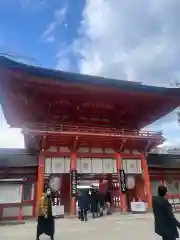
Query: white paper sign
column 138, row 207
column 57, row 210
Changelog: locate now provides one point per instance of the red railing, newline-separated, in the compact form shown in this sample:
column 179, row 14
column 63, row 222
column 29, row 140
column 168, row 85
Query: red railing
column 174, row 199
column 85, row 130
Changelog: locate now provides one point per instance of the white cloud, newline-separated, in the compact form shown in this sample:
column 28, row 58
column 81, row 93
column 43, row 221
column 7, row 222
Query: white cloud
column 170, row 128
column 58, row 19
column 133, row 40
column 49, row 30
column 33, row 4
column 63, row 57
column 63, row 64
column 9, row 137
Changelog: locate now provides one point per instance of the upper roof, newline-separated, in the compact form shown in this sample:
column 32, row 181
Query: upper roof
column 6, row 63
column 146, row 103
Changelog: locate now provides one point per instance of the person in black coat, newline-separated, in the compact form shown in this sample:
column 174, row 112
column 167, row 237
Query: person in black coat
column 165, row 222
column 94, row 202
column 78, row 204
column 83, row 203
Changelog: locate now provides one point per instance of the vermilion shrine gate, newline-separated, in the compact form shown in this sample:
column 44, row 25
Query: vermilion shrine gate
column 85, row 123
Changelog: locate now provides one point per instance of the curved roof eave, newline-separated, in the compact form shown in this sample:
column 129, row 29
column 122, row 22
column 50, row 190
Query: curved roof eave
column 6, row 63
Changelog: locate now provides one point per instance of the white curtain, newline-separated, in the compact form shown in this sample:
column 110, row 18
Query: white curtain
column 154, row 187
column 10, row 193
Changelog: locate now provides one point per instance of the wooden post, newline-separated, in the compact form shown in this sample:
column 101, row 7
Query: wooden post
column 119, row 166
column 146, row 181
column 40, row 181
column 73, row 199
column 20, row 215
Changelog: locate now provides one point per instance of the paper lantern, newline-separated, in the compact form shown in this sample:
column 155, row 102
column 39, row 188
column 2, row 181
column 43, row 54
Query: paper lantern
column 130, row 182
column 54, row 183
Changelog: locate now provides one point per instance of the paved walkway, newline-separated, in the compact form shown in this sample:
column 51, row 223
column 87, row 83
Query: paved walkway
column 126, row 227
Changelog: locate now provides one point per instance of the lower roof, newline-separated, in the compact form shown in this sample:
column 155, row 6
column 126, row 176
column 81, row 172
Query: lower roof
column 11, row 157
column 163, row 160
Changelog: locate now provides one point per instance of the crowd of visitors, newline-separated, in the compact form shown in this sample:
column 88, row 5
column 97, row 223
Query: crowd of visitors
column 91, row 200
column 94, row 201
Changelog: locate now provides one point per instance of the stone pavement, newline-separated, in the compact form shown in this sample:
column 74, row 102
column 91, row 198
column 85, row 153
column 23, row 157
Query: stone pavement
column 117, row 226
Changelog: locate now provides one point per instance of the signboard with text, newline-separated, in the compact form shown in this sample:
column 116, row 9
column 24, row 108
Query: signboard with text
column 73, row 183
column 122, row 177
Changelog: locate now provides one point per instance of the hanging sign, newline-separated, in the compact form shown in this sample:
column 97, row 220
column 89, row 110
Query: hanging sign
column 73, row 183
column 122, row 177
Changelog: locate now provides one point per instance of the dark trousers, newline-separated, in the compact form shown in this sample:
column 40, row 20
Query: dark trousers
column 168, row 238
column 108, row 208
column 94, row 214
column 45, row 226
column 83, row 214
column 101, row 213
column 79, row 214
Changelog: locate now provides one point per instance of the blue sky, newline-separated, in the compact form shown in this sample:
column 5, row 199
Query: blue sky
column 38, row 32
column 129, row 40
column 39, row 29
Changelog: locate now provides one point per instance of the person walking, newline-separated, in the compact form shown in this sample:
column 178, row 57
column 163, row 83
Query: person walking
column 78, row 205
column 101, row 201
column 83, row 202
column 108, row 201
column 165, row 222
column 45, row 218
column 94, row 202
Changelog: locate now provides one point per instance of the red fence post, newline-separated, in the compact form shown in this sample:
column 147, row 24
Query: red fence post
column 20, row 216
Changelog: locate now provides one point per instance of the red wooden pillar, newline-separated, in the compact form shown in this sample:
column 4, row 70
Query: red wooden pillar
column 20, row 216
column 73, row 163
column 40, row 181
column 146, row 180
column 119, row 165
